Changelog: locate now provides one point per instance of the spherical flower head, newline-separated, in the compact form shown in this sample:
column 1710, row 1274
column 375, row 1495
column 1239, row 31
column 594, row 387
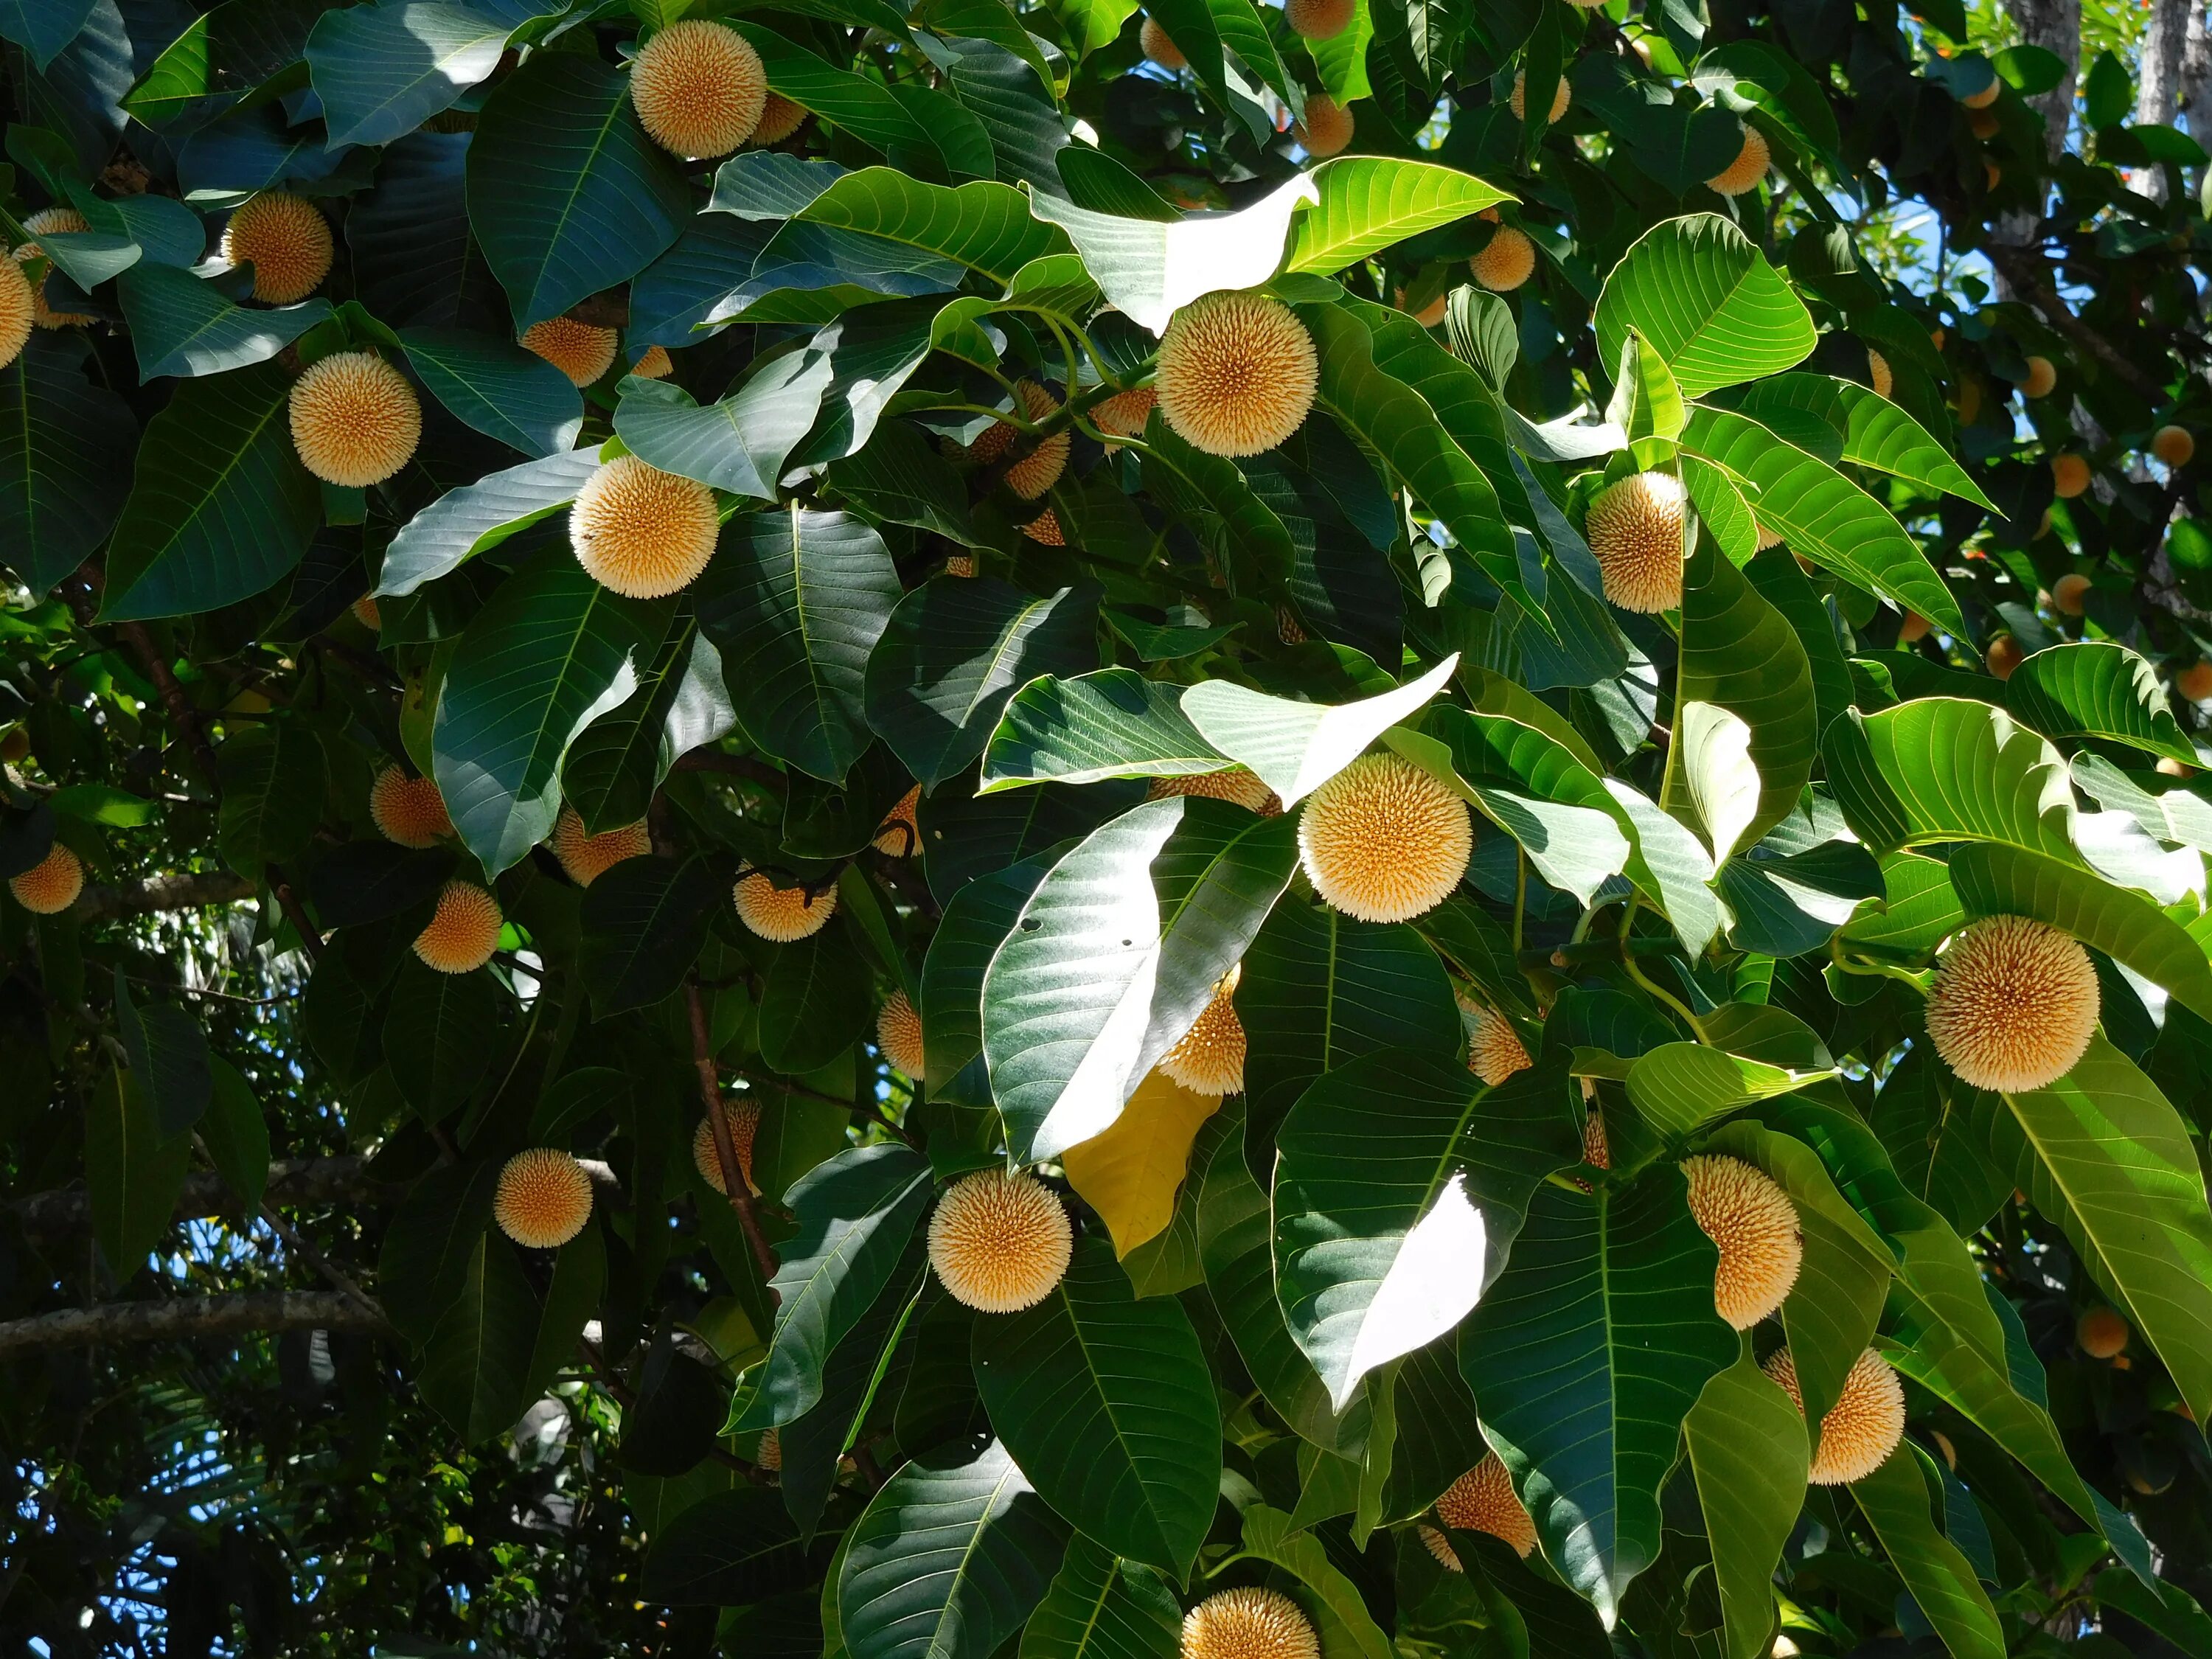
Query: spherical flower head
column 769, row 1453
column 355, row 419
column 1232, row 783
column 780, row 119
column 782, row 913
column 642, row 532
column 1319, row 19
column 1635, row 529
column 1597, row 1150
column 1045, row 529
column 544, row 1199
column 2070, row 476
column 1519, row 100
column 53, row 220
column 285, row 240
column 2174, row 445
column 699, row 87
column 960, row 564
column 655, row 365
column 408, row 810
column 1481, row 1500
column 1494, row 1048
column 898, row 834
column 1984, row 124
column 2101, row 1333
column 1992, row 175
column 1507, row 260
column 586, row 858
column 1878, row 373
column 1248, row 1623
column 2070, row 594
column 2015, row 1005
column 1039, row 469
column 464, row 931
column 1209, row 1058
column 898, row 1034
column 367, row 613
column 1384, row 841
column 2042, row 378
column 1124, row 414
column 1286, row 626
column 49, row 886
column 579, row 350
column 1755, row 1225
column 1742, row 175
column 1154, row 42
column 1000, row 1243
column 19, row 311
column 1327, row 126
column 1864, row 1427
column 745, row 1125
column 1236, row 372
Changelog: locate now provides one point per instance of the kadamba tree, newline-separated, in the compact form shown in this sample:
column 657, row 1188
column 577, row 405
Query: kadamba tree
column 1043, row 830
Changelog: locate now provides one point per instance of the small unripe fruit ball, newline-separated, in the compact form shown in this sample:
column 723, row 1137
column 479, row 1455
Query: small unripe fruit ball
column 2174, row 445
column 1983, row 123
column 1935, row 337
column 2195, row 682
column 1507, row 260
column 288, row 242
column 1319, row 19
column 898, row 835
column 2167, row 767
column 1742, row 175
column 1209, row 1058
column 1248, row 1624
column 49, row 886
column 2070, row 594
column 1430, row 314
column 1383, row 841
column 654, row 365
column 355, row 419
column 1519, row 100
column 1481, row 1500
column 1864, row 1427
column 579, row 350
column 2101, row 1333
column 1327, row 126
column 699, row 87
column 641, row 532
column 2042, row 376
column 1985, row 97
column 365, row 612
column 464, row 931
column 15, row 744
column 1494, row 1048
column 2070, row 476
column 586, row 857
column 1236, row 374
column 898, row 1034
column 1233, row 784
column 544, row 1199
column 1970, row 400
column 745, row 1126
column 2014, row 1006
column 1755, row 1225
column 1153, row 40
column 780, row 119
column 408, row 810
column 19, row 310
column 1879, row 375
column 782, row 913
column 1992, row 175
column 2004, row 656
column 1913, row 628
column 1635, row 529
column 53, row 220
column 1000, row 1243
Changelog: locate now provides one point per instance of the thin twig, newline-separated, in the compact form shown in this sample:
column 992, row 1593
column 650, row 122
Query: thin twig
column 725, row 1146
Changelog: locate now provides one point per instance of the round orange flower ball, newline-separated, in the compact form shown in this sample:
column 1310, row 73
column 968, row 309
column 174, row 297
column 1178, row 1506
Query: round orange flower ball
column 544, row 1199
column 285, row 240
column 699, row 87
column 49, row 886
column 356, row 421
column 464, row 931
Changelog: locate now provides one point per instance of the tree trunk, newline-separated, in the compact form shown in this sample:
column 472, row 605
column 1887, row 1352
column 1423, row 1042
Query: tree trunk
column 184, row 1317
column 2056, row 26
column 2157, row 95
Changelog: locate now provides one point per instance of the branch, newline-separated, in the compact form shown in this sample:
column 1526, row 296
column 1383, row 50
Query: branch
column 183, row 1318
column 184, row 892
column 2025, row 270
column 735, row 766
column 726, row 1147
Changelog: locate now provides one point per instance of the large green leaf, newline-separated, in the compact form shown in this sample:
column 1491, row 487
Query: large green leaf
column 1949, row 769
column 133, row 1170
column 382, row 70
column 1107, row 1403
column 1112, row 724
column 1868, row 431
column 611, row 771
column 1587, row 1354
column 168, row 1056
column 1347, row 1629
column 43, row 27
column 969, row 933
column 1116, row 955
column 1747, row 1445
column 819, row 997
column 641, row 926
column 567, row 195
column 1369, row 202
column 1296, row 747
column 1403, row 1184
column 1704, row 297
column 65, row 439
column 1941, row 1580
column 728, row 1548
column 465, row 522
column 182, row 325
column 739, row 444
column 1101, row 1606
column 495, row 387
column 983, row 225
column 2095, row 689
column 550, row 653
column 1575, row 848
column 797, row 601
column 477, row 1363
column 440, row 1036
column 219, row 507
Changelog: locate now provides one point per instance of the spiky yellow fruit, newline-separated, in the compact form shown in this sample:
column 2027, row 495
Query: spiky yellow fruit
column 782, row 913
column 1209, row 1058
column 898, row 834
column 1494, row 1048
column 1985, row 97
column 1507, row 260
column 1597, row 1150
column 1519, row 100
column 641, row 532
column 464, row 930
column 654, row 365
column 581, row 351
column 699, row 87
column 2070, row 594
column 285, row 240
column 544, row 1199
column 2195, row 682
column 49, row 886
column 2014, row 1004
column 1879, row 374
column 1742, row 175
column 960, row 564
column 1045, row 529
column 408, row 810
column 1236, row 372
column 1635, row 529
column 1124, row 414
column 2174, row 445
column 1755, row 1225
column 1319, row 19
column 745, row 1126
column 1481, row 1500
column 1231, row 784
column 1384, row 841
column 53, row 220
column 1000, row 1243
column 1864, row 1425
column 1327, row 127
column 365, row 612
column 1039, row 469
column 2042, row 378
column 898, row 1034
column 19, row 310
column 1247, row 1623
column 586, row 858
column 769, row 1453
column 1153, row 41
column 355, row 419
column 779, row 117
column 2101, row 1333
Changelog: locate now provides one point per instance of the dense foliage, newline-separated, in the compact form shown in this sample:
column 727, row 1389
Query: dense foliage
column 1156, row 807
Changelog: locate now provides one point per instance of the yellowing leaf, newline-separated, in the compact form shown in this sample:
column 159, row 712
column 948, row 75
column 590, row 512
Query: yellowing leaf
column 1130, row 1173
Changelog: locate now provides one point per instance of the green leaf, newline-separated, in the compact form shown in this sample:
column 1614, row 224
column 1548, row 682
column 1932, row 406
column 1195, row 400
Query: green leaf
column 983, row 225
column 1347, row 1629
column 1402, row 1183
column 223, row 53
column 856, row 1213
column 1114, row 958
column 1949, row 769
column 739, row 444
column 182, row 325
column 43, row 27
column 814, row 1445
column 947, row 1563
column 1680, row 1086
column 969, row 933
column 550, row 653
column 132, row 1171
column 611, row 771
column 1871, row 430
column 1112, row 724
column 818, row 999
column 1747, row 1444
column 64, row 441
column 2095, row 689
column 432, row 1236
column 236, row 1134
column 477, row 1363
column 1107, row 1403
column 1646, row 402
column 1587, row 1354
column 382, row 70
column 1297, row 747
column 1894, row 1500
column 273, row 780
column 439, row 1037
column 956, row 650
column 567, row 195
column 476, row 516
column 1369, row 202
column 495, row 387
column 729, row 1548
column 219, row 507
column 1218, row 500
column 1706, row 299
column 169, row 1062
column 1101, row 1606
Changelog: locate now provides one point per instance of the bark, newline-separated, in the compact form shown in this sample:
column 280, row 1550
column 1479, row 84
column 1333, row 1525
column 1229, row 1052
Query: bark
column 184, row 892
column 2056, row 26
column 2193, row 100
column 2158, row 91
column 183, row 1318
